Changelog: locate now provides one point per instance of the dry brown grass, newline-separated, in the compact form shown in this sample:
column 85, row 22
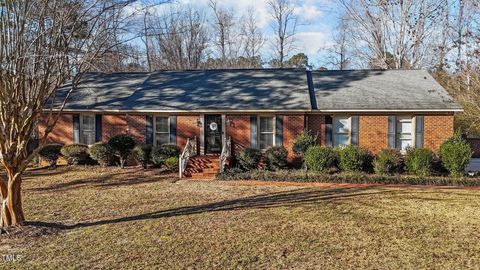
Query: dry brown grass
column 96, row 218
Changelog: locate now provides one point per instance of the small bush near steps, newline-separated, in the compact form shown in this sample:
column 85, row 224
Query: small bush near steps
column 276, row 158
column 249, row 158
column 162, row 152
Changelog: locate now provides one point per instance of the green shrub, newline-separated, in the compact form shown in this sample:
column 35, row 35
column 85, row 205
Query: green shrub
column 320, row 159
column 249, row 158
column 419, row 161
column 102, row 153
column 121, row 146
column 303, row 142
column 354, row 159
column 276, row 158
column 455, row 154
column 51, row 153
column 75, row 153
column 162, row 152
column 172, row 164
column 141, row 153
column 388, row 162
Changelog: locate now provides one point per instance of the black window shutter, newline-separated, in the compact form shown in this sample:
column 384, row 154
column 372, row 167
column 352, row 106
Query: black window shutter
column 98, row 127
column 149, row 127
column 76, row 128
column 419, row 131
column 328, row 130
column 173, row 129
column 392, row 121
column 253, row 131
column 279, row 130
column 354, row 134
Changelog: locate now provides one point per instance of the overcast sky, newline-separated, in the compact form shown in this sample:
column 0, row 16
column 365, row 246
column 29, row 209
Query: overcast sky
column 317, row 20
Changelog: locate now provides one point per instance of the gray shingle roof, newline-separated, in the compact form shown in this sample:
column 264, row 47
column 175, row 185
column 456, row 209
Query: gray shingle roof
column 258, row 90
column 254, row 89
column 379, row 90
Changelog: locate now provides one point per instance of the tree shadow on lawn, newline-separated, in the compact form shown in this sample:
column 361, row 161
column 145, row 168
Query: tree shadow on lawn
column 295, row 198
column 110, row 178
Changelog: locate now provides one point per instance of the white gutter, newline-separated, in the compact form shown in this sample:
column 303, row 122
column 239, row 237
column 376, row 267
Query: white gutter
column 262, row 111
column 390, row 110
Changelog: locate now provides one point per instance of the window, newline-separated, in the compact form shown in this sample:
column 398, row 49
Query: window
column 162, row 130
column 266, row 132
column 403, row 133
column 87, row 129
column 341, row 131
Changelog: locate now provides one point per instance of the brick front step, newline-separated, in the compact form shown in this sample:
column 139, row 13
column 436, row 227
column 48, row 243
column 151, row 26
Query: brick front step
column 203, row 167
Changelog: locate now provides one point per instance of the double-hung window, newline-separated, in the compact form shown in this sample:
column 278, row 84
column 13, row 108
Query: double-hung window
column 266, row 131
column 341, row 131
column 404, row 133
column 87, row 129
column 162, row 130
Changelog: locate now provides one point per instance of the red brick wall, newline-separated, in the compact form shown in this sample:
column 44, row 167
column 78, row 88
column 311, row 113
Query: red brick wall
column 316, row 126
column 187, row 127
column 373, row 132
column 238, row 127
column 293, row 125
column 438, row 128
column 117, row 124
column 62, row 132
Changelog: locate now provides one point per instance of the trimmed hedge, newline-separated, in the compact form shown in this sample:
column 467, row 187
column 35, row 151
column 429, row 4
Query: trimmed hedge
column 249, row 158
column 51, row 153
column 75, row 153
column 276, row 158
column 360, row 178
column 121, row 146
column 388, row 162
column 354, row 159
column 455, row 154
column 161, row 153
column 419, row 161
column 102, row 153
column 142, row 154
column 320, row 158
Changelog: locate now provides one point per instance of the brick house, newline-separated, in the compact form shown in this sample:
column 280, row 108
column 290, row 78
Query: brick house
column 258, row 108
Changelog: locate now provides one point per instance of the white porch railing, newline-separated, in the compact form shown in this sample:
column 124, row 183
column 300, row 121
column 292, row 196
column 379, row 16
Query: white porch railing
column 226, row 153
column 189, row 151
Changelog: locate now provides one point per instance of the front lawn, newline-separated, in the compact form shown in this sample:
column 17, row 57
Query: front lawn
column 112, row 218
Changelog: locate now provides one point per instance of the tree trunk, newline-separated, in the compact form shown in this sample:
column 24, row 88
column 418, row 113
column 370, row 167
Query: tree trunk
column 12, row 210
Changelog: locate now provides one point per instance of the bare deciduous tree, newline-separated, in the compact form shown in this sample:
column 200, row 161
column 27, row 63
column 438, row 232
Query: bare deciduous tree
column 284, row 26
column 43, row 43
column 253, row 39
column 181, row 37
column 395, row 34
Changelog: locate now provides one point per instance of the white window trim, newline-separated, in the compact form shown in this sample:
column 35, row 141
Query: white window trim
column 349, row 119
column 414, row 130
column 274, row 133
column 155, row 127
column 81, row 116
